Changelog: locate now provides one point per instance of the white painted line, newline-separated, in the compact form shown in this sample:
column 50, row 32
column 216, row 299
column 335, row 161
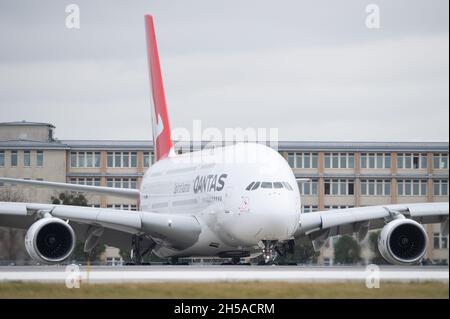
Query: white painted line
column 100, row 276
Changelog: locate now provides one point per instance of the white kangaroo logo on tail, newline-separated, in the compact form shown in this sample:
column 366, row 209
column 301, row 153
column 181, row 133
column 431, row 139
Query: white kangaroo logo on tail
column 159, row 126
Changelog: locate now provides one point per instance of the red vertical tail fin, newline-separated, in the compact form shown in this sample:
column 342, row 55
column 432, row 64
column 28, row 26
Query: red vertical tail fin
column 160, row 118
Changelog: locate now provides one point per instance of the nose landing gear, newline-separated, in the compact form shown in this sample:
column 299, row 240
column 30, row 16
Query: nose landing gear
column 269, row 252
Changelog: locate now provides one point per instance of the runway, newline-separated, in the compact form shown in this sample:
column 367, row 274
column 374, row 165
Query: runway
column 133, row 274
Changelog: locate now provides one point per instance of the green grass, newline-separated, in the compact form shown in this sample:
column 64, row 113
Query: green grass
column 226, row 290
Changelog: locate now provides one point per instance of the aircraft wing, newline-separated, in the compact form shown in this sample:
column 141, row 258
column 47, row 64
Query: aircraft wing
column 177, row 231
column 121, row 192
column 323, row 224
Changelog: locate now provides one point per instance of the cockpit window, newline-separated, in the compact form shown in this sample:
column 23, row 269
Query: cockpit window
column 277, row 185
column 288, row 186
column 255, row 186
column 249, row 186
column 268, row 185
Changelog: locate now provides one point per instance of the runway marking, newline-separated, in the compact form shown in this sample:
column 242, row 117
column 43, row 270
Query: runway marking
column 218, row 274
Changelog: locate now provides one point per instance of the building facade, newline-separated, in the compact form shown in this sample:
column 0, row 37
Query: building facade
column 341, row 174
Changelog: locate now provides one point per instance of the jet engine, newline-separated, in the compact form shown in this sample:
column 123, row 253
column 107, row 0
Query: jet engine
column 50, row 240
column 403, row 242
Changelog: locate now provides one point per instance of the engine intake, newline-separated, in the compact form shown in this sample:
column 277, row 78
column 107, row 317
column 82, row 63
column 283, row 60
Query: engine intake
column 403, row 242
column 50, row 240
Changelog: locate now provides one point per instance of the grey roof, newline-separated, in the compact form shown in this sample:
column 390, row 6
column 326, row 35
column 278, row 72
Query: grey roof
column 26, row 144
column 349, row 146
column 25, row 123
column 282, row 145
column 142, row 145
column 108, row 144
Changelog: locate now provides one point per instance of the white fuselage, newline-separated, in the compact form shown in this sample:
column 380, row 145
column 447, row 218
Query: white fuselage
column 212, row 185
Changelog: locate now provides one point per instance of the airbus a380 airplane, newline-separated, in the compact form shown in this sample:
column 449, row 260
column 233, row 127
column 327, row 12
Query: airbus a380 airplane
column 235, row 201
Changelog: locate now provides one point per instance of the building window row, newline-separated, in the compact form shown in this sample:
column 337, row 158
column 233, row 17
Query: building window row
column 368, row 160
column 440, row 161
column 309, row 187
column 412, row 161
column 376, row 187
column 148, row 159
column 310, row 208
column 14, row 158
column 39, row 158
column 440, row 241
column 85, row 159
column 339, row 187
column 375, row 160
column 85, row 181
column 27, row 158
column 339, row 160
column 328, row 207
column 122, row 206
column 440, row 187
column 303, row 160
column 121, row 182
column 412, row 187
column 122, row 159
column 114, row 159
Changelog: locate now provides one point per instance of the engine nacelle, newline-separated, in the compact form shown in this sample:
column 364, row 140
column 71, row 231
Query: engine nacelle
column 50, row 240
column 403, row 242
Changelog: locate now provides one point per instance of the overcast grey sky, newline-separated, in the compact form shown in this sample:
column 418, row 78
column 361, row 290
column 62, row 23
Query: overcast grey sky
column 310, row 68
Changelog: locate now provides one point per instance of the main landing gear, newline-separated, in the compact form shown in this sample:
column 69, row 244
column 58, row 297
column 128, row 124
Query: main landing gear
column 137, row 254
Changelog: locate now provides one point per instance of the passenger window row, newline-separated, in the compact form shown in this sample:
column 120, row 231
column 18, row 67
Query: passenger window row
column 277, row 185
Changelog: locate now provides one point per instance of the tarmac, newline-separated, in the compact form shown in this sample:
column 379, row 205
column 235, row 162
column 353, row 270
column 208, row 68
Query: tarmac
column 222, row 273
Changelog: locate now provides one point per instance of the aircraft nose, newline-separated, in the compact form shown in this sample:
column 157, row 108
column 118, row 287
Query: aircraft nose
column 274, row 226
column 279, row 215
column 269, row 223
column 264, row 215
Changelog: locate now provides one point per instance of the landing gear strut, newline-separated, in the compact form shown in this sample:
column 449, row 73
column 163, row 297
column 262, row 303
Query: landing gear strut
column 269, row 252
column 137, row 255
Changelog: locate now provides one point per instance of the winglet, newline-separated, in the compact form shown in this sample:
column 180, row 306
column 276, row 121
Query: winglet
column 160, row 118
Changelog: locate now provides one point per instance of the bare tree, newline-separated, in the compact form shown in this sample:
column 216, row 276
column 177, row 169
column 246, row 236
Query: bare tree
column 12, row 246
column 9, row 195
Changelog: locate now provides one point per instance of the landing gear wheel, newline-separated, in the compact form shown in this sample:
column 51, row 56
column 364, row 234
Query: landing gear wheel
column 236, row 260
column 269, row 252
